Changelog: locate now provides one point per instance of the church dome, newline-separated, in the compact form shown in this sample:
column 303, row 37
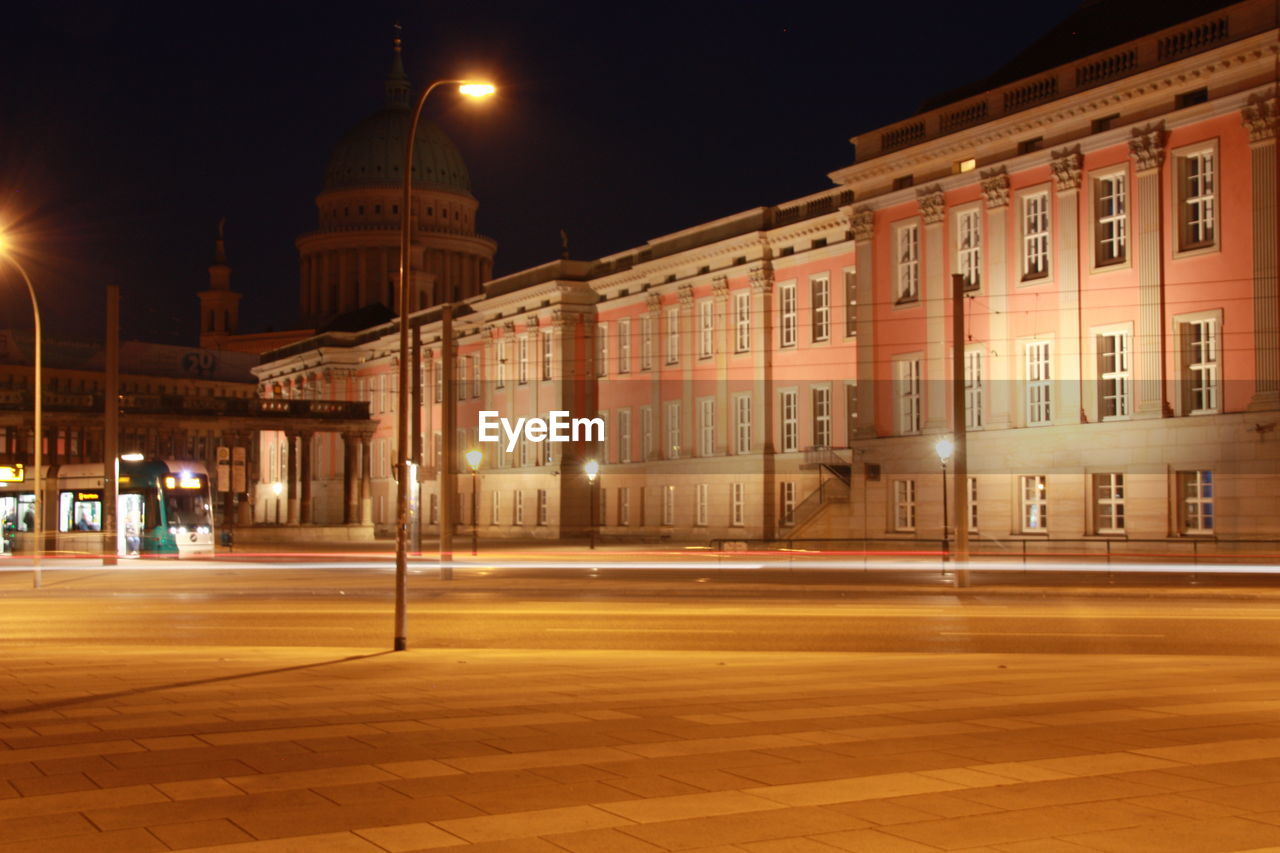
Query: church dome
column 372, row 155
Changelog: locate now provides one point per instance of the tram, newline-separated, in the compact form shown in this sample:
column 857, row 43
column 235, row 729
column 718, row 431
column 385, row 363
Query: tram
column 164, row 507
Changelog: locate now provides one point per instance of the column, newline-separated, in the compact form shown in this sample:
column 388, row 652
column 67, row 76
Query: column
column 722, row 346
column 689, row 357
column 1147, row 148
column 1260, row 120
column 762, row 402
column 1067, row 376
column 933, row 211
column 366, row 479
column 862, row 223
column 999, row 357
column 291, row 484
column 304, row 501
column 350, row 498
column 653, row 304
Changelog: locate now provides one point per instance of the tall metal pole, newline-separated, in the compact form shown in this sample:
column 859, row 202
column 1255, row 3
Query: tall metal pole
column 111, row 430
column 38, row 392
column 475, row 521
column 961, row 474
column 448, row 416
column 945, row 538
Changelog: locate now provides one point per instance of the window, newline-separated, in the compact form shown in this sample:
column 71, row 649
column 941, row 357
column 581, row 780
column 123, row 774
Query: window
column 787, row 503
column 624, row 345
column 517, row 507
column 1113, row 375
column 850, row 303
column 500, row 381
column 1035, row 235
column 602, row 349
column 547, row 349
column 706, row 328
column 433, row 509
column 495, row 507
column 908, row 396
column 542, row 507
column 668, row 506
column 904, row 505
column 973, row 504
column 742, row 423
column 602, row 507
column 1195, row 174
column 737, row 494
column 646, row 433
column 700, row 507
column 460, row 372
column 851, row 411
column 474, row 361
column 1039, row 393
column 673, row 335
column 1110, row 224
column 742, row 321
column 789, row 411
column 1182, row 100
column 1200, row 366
column 646, row 343
column 787, row 314
column 1108, row 503
column 821, row 415
column 706, row 426
column 624, row 435
column 1035, row 504
column 673, row 430
column 973, row 389
column 1196, row 488
column 908, row 263
column 820, row 307
column 624, row 506
column 969, row 247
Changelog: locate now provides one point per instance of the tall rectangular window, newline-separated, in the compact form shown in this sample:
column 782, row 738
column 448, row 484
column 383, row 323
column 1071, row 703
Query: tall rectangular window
column 973, row 389
column 706, row 328
column 1110, row 220
column 1039, row 390
column 789, row 411
column 517, row 507
column 787, row 502
column 1108, row 503
column 495, row 507
column 602, row 507
column 1196, row 490
column 1196, row 200
column 969, row 247
column 673, row 430
column 787, row 314
column 850, row 412
column 522, row 359
column 542, row 507
column 821, row 415
column 737, row 494
column 1035, row 235
column 700, row 506
column 850, row 303
column 1200, row 378
column 904, row 505
column 1035, row 504
column 908, row 278
column 460, row 377
column 646, row 433
column 742, row 423
column 673, row 335
column 624, row 345
column 500, row 380
column 439, row 381
column 706, row 426
column 668, row 506
column 602, row 349
column 742, row 321
column 646, row 342
column 624, row 506
column 973, row 504
column 547, row 357
column 820, row 306
column 1113, row 374
column 908, row 381
column 624, row 435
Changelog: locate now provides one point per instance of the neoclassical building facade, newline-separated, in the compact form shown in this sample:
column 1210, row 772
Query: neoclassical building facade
column 784, row 373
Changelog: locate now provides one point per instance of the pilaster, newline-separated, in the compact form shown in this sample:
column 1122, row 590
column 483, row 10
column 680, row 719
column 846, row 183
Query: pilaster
column 933, row 212
column 1260, row 120
column 762, row 404
column 1147, row 146
column 862, row 223
column 995, row 189
column 1067, row 166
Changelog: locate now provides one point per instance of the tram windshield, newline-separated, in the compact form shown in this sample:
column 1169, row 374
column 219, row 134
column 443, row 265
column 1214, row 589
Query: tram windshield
column 187, row 509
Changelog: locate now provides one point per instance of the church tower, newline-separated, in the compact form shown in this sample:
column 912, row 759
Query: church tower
column 219, row 305
column 349, row 266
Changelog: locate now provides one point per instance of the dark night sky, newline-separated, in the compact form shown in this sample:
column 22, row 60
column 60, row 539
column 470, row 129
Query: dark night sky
column 127, row 130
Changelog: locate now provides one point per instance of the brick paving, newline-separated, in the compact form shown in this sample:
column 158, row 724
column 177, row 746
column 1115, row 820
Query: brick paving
column 272, row 750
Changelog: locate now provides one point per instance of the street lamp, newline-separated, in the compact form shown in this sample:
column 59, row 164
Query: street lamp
column 473, row 457
column 277, row 488
column 472, row 89
column 592, row 468
column 39, row 410
column 945, row 447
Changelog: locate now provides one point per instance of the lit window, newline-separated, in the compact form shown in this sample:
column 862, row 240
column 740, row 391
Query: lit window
column 706, row 328
column 1035, row 504
column 1200, row 379
column 969, row 247
column 706, row 427
column 742, row 423
column 1113, row 375
column 742, row 321
column 790, row 421
column 1035, row 235
column 904, row 505
column 1039, row 391
column 820, row 292
column 821, row 415
column 908, row 263
column 1108, row 503
column 1196, row 488
column 787, row 314
column 1197, row 200
column 668, row 506
column 973, row 389
column 908, row 380
column 1110, row 220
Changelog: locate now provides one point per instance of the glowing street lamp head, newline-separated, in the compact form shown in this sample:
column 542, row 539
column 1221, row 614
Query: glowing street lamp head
column 277, row 487
column 945, row 448
column 592, row 468
column 473, row 458
column 477, row 89
column 131, row 457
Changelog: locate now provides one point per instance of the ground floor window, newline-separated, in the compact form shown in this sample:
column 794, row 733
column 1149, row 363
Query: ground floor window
column 1108, row 503
column 1196, row 491
column 904, row 505
column 1035, row 504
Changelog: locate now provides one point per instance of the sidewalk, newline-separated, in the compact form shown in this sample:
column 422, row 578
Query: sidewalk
column 341, row 751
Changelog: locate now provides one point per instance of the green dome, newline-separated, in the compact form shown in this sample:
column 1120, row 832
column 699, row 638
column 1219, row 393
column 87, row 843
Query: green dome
column 372, row 155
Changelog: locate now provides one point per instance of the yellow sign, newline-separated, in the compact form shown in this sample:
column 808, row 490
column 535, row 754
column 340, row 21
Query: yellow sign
column 12, row 473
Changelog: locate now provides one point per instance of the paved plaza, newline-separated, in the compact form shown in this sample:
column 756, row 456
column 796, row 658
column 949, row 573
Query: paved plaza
column 318, row 750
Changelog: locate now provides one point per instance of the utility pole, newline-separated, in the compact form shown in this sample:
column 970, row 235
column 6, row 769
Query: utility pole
column 448, row 417
column 961, row 471
column 111, row 429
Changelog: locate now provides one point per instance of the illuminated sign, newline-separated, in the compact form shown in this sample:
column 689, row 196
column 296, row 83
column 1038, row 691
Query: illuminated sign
column 12, row 473
column 186, row 482
column 88, row 496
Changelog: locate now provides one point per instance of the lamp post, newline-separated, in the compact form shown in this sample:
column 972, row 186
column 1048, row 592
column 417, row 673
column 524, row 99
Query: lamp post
column 38, row 394
column 472, row 89
column 592, row 468
column 473, row 457
column 945, row 447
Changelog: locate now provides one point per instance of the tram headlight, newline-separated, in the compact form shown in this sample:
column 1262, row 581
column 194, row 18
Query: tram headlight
column 204, row 528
